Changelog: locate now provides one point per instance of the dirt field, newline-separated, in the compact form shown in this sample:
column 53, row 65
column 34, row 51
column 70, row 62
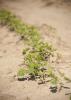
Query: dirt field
column 39, row 13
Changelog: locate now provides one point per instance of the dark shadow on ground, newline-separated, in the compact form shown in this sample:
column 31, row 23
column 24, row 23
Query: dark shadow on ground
column 55, row 2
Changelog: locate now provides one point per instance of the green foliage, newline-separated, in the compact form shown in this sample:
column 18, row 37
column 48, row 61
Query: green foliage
column 70, row 97
column 25, row 51
column 4, row 16
column 21, row 72
column 15, row 24
column 38, row 53
column 36, row 57
column 28, row 32
column 54, row 80
column 50, row 71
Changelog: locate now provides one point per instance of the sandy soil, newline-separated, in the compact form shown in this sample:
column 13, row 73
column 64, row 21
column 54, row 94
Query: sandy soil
column 34, row 12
